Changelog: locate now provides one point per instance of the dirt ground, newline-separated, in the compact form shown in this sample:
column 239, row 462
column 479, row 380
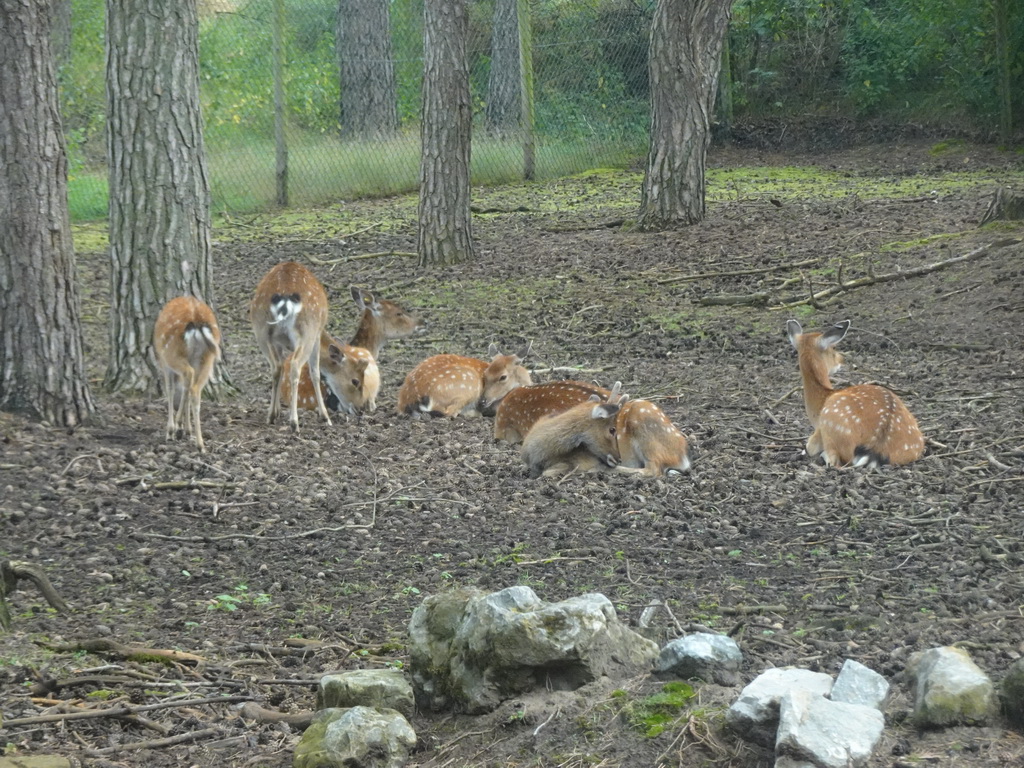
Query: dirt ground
column 277, row 558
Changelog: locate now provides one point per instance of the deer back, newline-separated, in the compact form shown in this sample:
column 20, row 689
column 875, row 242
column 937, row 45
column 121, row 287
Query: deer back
column 521, row 408
column 647, row 439
column 186, row 334
column 444, row 385
column 288, row 310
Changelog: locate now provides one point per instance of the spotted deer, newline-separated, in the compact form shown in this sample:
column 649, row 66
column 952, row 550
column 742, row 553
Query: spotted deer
column 631, row 436
column 186, row 340
column 449, row 385
column 349, row 375
column 521, row 408
column 863, row 425
column 349, row 379
column 289, row 315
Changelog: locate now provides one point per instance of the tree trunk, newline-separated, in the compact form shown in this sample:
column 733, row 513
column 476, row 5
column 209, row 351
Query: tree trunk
column 159, row 187
column 369, row 100
column 510, row 82
column 686, row 54
column 445, row 229
column 42, row 366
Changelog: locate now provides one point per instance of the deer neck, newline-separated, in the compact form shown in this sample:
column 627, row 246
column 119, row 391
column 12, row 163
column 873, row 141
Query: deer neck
column 817, row 386
column 368, row 335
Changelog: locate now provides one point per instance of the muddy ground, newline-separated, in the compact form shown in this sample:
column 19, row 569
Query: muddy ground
column 277, row 558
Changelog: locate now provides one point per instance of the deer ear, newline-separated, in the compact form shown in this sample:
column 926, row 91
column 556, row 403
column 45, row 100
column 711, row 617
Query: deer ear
column 493, row 350
column 522, row 354
column 794, row 330
column 604, row 411
column 335, row 352
column 834, row 335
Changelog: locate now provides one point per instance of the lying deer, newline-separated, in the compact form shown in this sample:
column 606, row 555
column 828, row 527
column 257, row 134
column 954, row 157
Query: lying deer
column 289, row 315
column 352, row 379
column 632, row 436
column 186, row 340
column 449, row 385
column 865, row 425
column 349, row 379
column 521, row 408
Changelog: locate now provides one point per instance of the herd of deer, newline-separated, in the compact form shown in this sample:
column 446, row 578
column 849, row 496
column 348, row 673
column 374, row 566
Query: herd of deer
column 563, row 425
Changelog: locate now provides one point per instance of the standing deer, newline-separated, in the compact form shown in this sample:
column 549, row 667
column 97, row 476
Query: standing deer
column 865, row 425
column 447, row 385
column 349, row 376
column 186, row 340
column 289, row 315
column 521, row 408
column 631, row 436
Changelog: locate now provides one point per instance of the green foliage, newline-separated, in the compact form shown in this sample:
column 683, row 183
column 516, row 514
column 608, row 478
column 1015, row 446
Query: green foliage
column 654, row 714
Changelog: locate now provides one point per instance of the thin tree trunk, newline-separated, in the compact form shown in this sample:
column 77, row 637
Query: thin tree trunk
column 445, row 228
column 42, row 366
column 686, row 54
column 280, row 142
column 369, row 100
column 159, row 187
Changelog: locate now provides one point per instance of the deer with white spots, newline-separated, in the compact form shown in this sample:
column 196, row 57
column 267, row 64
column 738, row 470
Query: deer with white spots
column 523, row 407
column 289, row 315
column 450, row 385
column 632, row 436
column 863, row 425
column 349, row 375
column 186, row 340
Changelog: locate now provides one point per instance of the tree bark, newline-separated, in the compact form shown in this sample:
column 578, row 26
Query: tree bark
column 42, row 365
column 445, row 228
column 685, row 58
column 510, row 81
column 159, row 186
column 369, row 100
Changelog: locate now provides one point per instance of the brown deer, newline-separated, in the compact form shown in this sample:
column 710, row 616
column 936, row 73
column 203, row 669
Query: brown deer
column 631, row 436
column 349, row 379
column 289, row 315
column 352, row 380
column 521, row 408
column 863, row 425
column 449, row 385
column 186, row 340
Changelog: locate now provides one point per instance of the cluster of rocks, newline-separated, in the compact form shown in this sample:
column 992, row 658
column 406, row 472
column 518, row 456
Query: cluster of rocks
column 470, row 651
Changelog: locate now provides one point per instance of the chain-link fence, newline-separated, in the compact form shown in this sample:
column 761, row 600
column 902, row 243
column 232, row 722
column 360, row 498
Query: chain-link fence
column 588, row 96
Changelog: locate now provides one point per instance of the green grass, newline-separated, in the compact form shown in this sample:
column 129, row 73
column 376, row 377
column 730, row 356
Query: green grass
column 326, row 170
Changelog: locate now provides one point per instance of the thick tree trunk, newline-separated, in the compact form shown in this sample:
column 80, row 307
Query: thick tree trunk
column 159, row 187
column 686, row 54
column 504, row 83
column 369, row 101
column 445, row 230
column 42, row 366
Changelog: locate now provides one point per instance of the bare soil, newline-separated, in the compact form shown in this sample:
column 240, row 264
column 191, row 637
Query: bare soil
column 278, row 557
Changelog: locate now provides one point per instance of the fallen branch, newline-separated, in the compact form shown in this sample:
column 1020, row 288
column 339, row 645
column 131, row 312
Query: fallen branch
column 130, row 652
column 749, row 299
column 737, row 272
column 11, row 571
column 889, row 277
column 253, row 711
column 122, row 710
column 170, row 741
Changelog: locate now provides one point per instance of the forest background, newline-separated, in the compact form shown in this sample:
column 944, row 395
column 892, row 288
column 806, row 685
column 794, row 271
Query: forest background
column 797, row 70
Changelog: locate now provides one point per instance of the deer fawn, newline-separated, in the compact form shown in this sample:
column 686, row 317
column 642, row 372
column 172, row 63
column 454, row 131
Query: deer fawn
column 447, row 385
column 350, row 378
column 288, row 315
column 865, row 425
column 187, row 343
column 524, row 406
column 632, row 436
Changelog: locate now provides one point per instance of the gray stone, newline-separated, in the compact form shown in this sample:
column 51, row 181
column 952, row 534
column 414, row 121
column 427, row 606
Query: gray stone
column 701, row 655
column 34, row 761
column 755, row 714
column 380, row 688
column 1012, row 692
column 949, row 688
column 824, row 733
column 359, row 737
column 470, row 650
column 857, row 684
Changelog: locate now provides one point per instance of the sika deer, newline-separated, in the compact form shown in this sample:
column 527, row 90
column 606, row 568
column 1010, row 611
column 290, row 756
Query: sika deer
column 632, row 436
column 447, row 385
column 523, row 407
column 288, row 315
column 186, row 340
column 349, row 379
column 865, row 425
